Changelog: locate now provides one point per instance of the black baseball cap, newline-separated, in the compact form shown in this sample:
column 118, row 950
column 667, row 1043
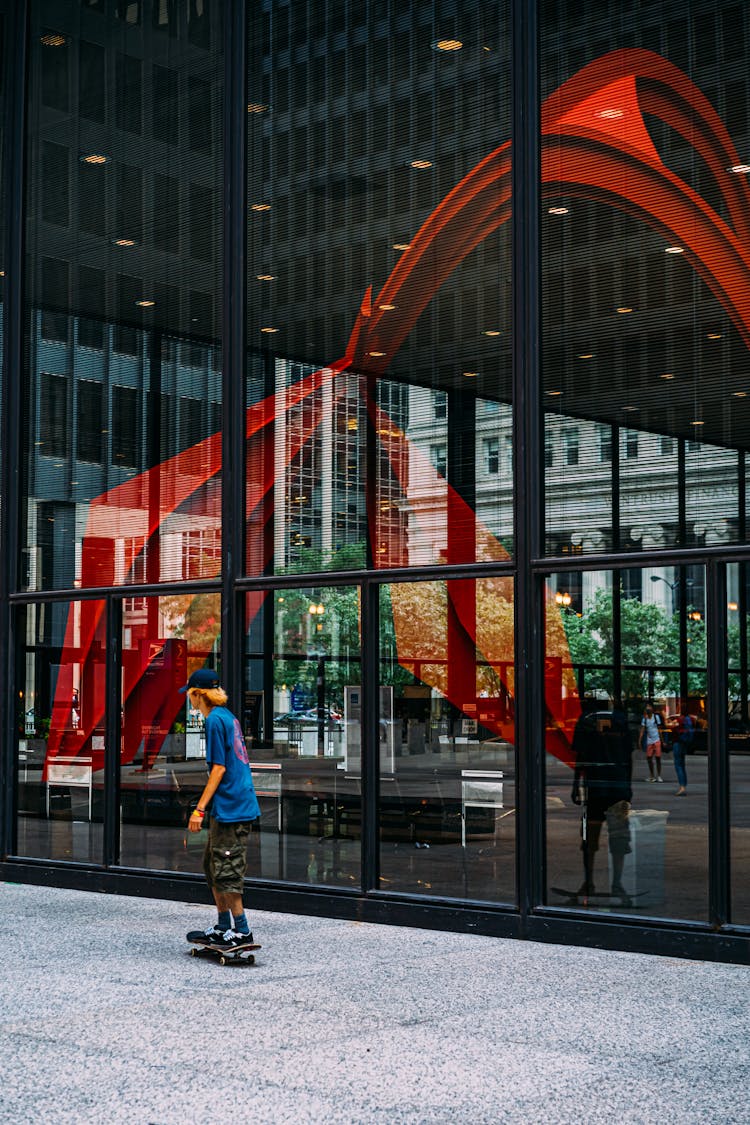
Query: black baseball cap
column 202, row 678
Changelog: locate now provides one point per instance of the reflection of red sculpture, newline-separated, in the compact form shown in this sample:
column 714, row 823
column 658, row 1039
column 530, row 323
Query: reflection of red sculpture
column 595, row 145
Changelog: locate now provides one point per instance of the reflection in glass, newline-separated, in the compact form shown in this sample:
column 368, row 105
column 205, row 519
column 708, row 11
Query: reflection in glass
column 162, row 757
column 645, row 279
column 447, row 758
column 626, row 742
column 378, row 210
column 302, row 723
column 60, row 727
column 738, row 740
column 121, row 449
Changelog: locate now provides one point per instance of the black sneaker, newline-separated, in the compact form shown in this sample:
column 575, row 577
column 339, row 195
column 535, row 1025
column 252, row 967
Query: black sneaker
column 232, row 940
column 204, row 937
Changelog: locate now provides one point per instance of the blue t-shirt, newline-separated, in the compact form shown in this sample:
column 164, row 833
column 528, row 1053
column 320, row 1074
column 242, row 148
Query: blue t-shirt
column 234, row 801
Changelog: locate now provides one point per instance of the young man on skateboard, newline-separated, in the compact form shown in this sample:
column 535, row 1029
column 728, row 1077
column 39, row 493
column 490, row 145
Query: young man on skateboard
column 230, row 793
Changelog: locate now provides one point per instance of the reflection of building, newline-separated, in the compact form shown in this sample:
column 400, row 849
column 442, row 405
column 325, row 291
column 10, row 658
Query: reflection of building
column 273, row 323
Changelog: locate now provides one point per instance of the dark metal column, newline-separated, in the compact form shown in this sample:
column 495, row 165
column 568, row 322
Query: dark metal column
column 234, row 332
column 718, row 764
column 370, row 736
column 13, row 202
column 527, row 460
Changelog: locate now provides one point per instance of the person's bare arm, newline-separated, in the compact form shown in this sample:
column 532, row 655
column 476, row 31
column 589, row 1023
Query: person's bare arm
column 214, row 781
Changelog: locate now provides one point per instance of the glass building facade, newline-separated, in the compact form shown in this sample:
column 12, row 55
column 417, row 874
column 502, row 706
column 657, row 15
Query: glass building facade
column 394, row 362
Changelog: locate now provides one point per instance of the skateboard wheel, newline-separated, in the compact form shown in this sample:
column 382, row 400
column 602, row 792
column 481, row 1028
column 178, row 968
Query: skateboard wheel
column 222, row 960
column 193, row 952
column 251, row 959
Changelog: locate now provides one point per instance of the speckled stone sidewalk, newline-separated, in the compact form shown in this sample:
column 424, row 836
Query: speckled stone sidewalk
column 105, row 1018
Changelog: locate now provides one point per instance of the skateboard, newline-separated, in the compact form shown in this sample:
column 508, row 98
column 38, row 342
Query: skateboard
column 243, row 955
column 575, row 898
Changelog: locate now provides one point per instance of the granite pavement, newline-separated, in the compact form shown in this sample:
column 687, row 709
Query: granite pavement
column 105, row 1018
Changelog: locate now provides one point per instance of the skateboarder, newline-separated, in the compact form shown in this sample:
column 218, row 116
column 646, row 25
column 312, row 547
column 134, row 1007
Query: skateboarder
column 601, row 784
column 229, row 800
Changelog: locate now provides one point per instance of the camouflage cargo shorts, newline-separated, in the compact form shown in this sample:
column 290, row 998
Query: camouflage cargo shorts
column 225, row 857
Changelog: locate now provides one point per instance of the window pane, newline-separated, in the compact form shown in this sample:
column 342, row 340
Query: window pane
column 302, row 718
column 738, row 738
column 447, row 758
column 626, row 741
column 162, row 761
column 645, row 316
column 124, row 232
column 378, row 288
column 60, row 748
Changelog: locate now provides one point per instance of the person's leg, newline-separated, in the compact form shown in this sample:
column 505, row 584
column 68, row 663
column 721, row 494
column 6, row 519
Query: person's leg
column 657, row 756
column 230, row 864
column 589, row 848
column 679, row 767
column 650, row 760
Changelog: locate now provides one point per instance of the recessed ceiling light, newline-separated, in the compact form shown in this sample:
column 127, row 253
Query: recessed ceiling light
column 387, row 308
column 586, row 355
column 52, row 39
column 674, row 250
column 401, row 246
column 260, row 206
column 123, row 242
column 145, row 303
column 266, row 277
column 624, row 309
column 420, row 165
column 269, row 329
column 93, row 158
column 257, row 107
column 713, row 335
column 447, row 45
column 629, row 409
column 667, row 375
column 557, row 211
column 492, row 332
column 740, row 169
column 376, row 355
column 470, row 374
column 740, row 394
column 697, row 423
column 554, row 394
column 610, row 114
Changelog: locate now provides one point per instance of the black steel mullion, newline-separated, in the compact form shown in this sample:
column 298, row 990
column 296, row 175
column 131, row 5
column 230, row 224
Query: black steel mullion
column 112, row 733
column 527, row 456
column 234, row 331
column 370, row 752
column 616, row 492
column 718, row 764
column 13, row 189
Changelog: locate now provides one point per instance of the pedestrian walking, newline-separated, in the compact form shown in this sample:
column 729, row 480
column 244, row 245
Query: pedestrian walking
column 650, row 741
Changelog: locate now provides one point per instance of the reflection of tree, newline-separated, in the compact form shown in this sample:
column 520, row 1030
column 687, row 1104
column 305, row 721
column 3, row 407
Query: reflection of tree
column 195, row 617
column 649, row 639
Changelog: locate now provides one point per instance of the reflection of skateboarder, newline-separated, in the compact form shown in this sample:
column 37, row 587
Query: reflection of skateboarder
column 601, row 784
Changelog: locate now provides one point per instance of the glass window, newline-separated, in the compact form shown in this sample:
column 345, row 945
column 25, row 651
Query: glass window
column 302, row 717
column 60, row 729
column 124, row 229
column 447, row 757
column 738, row 739
column 645, row 323
column 162, row 758
column 627, row 812
column 379, row 290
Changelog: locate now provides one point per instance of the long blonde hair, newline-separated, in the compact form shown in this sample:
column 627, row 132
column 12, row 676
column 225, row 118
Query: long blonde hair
column 214, row 697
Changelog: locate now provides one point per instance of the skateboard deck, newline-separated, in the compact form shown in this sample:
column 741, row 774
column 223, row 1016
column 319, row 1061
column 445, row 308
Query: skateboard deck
column 244, row 954
column 576, row 898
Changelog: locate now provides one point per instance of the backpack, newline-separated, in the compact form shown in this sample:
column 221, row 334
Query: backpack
column 687, row 727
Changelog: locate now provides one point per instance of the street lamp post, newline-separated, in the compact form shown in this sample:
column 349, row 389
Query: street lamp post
column 316, row 612
column 680, row 587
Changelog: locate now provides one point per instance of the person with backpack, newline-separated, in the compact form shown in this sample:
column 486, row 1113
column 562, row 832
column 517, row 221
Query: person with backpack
column 684, row 728
column 650, row 741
